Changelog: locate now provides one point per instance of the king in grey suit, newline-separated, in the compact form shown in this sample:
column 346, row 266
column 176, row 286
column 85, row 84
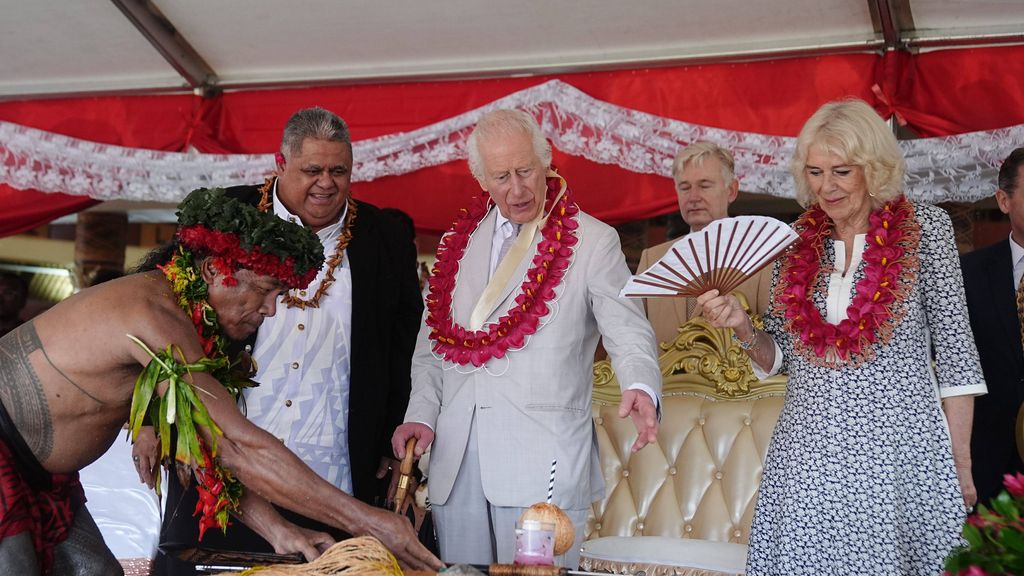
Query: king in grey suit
column 504, row 398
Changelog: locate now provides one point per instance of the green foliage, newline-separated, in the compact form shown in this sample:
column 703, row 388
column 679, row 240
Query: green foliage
column 994, row 535
column 210, row 207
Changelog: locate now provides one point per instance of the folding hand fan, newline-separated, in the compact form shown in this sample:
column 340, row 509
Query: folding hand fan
column 721, row 256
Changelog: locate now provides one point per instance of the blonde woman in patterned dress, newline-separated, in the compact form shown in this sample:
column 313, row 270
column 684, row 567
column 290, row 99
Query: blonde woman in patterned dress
column 869, row 467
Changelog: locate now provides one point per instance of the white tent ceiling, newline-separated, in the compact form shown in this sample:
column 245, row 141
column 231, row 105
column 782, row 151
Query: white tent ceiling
column 52, row 47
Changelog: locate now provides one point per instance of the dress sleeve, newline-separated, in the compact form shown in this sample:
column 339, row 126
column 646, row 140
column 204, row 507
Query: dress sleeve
column 957, row 366
column 774, row 326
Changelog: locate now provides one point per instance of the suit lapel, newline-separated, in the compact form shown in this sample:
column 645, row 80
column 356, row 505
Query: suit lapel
column 363, row 273
column 473, row 270
column 1000, row 281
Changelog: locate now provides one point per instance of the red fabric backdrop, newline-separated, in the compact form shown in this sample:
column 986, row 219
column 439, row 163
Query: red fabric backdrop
column 937, row 93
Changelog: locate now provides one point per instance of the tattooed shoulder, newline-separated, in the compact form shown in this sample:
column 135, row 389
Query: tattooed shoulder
column 22, row 391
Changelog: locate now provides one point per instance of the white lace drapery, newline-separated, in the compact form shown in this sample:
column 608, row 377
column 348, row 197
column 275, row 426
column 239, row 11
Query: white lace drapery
column 953, row 168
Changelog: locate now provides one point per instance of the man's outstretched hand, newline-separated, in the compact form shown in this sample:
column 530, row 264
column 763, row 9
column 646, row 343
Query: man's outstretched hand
column 397, row 534
column 639, row 406
column 291, row 538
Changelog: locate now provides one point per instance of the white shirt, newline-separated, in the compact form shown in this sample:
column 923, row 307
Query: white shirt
column 303, row 360
column 503, row 229
column 1017, row 257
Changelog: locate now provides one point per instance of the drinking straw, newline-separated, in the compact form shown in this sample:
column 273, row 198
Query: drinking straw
column 551, row 482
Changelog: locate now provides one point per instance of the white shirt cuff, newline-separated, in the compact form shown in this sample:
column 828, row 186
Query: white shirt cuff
column 776, row 364
column 650, row 392
column 969, row 390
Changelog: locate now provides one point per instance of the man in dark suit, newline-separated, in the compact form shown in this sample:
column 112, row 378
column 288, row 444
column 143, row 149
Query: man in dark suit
column 334, row 362
column 992, row 276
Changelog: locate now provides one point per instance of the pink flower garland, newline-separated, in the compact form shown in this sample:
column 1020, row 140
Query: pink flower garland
column 554, row 252
column 879, row 304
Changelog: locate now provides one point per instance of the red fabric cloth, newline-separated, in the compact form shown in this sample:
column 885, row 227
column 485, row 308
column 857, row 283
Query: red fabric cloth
column 770, row 97
column 47, row 514
column 938, row 93
column 26, row 209
column 955, row 91
column 153, row 122
column 732, row 96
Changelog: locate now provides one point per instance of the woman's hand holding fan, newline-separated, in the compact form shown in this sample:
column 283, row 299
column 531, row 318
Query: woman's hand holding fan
column 720, row 257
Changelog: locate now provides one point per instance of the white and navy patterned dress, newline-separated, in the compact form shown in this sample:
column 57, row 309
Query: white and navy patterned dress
column 859, row 475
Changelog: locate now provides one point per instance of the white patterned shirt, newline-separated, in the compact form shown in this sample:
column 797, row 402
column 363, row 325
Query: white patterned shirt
column 303, row 359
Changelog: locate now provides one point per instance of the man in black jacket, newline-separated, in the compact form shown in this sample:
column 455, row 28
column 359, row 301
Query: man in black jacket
column 333, row 363
column 992, row 282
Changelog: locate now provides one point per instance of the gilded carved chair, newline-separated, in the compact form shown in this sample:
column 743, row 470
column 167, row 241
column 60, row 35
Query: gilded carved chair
column 684, row 505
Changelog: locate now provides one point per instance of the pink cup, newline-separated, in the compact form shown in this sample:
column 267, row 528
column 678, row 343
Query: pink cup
column 535, row 543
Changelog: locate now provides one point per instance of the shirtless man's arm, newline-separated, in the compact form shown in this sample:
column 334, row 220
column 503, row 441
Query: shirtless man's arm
column 70, row 403
column 267, row 467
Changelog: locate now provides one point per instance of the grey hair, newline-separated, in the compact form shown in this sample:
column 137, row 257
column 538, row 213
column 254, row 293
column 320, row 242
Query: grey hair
column 852, row 130
column 505, row 122
column 697, row 152
column 316, row 123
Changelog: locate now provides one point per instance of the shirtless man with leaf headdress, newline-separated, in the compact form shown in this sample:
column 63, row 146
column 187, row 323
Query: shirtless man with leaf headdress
column 68, row 377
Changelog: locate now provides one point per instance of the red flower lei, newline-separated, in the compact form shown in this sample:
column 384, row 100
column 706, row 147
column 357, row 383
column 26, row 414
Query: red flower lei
column 880, row 301
column 230, row 255
column 554, row 252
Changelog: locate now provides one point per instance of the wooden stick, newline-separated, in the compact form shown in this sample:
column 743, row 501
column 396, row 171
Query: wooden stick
column 405, row 475
column 517, row 570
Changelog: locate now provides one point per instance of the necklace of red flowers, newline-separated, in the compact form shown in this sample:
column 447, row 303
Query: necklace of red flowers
column 458, row 344
column 879, row 303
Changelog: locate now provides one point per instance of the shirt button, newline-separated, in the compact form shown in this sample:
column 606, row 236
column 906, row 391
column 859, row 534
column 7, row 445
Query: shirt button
column 295, row 365
column 248, row 347
column 288, row 403
column 718, row 475
column 291, row 219
column 625, row 473
column 672, row 470
column 746, row 421
column 302, row 292
column 737, row 534
column 302, row 326
column 688, row 528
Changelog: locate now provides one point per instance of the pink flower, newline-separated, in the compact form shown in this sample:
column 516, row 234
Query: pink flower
column 1014, row 484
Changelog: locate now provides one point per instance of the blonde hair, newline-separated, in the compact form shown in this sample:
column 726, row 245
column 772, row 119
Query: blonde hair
column 697, row 152
column 505, row 122
column 853, row 131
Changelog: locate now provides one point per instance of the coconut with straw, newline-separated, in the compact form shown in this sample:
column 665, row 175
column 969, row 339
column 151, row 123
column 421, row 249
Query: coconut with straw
column 565, row 531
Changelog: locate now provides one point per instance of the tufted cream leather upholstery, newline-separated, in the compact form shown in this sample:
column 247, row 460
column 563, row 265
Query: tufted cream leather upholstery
column 700, row 480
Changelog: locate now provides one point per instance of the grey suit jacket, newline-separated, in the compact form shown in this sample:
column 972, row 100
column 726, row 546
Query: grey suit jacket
column 534, row 405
